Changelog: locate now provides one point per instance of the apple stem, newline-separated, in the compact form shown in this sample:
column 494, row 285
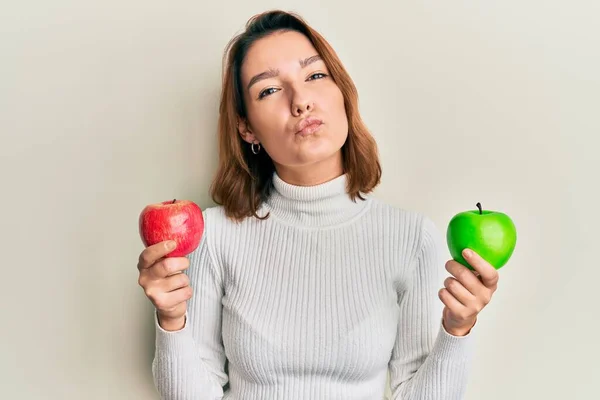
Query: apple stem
column 173, row 201
column 479, row 206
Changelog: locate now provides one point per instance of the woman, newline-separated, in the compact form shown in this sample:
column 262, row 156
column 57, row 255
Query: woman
column 303, row 286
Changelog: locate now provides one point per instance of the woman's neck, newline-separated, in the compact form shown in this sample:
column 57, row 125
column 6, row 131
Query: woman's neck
column 312, row 174
column 325, row 204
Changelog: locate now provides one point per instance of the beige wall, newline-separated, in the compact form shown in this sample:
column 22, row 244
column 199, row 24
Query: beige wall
column 108, row 106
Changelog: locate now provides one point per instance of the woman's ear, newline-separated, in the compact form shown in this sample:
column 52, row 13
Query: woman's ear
column 245, row 131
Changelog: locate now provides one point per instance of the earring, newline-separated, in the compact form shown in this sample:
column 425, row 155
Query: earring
column 255, row 150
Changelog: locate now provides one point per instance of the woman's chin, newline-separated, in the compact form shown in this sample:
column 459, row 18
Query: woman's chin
column 317, row 155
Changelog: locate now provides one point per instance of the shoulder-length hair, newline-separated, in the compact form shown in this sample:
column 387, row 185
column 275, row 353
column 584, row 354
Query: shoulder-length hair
column 243, row 180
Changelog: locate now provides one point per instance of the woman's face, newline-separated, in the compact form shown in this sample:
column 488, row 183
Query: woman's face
column 287, row 86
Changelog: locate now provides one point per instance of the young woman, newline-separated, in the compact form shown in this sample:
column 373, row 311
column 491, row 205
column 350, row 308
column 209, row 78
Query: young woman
column 303, row 286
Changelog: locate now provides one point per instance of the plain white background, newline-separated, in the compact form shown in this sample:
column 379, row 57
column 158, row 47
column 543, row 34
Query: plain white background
column 107, row 106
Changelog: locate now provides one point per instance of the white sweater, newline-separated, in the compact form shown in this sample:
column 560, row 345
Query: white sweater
column 319, row 301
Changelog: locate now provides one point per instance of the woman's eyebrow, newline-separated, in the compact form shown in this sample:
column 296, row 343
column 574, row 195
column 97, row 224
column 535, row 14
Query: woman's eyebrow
column 272, row 73
column 307, row 61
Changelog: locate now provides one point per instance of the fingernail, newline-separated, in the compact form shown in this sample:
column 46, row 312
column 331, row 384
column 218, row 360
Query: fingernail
column 467, row 253
column 170, row 245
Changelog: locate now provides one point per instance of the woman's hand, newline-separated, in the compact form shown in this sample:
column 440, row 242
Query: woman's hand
column 466, row 293
column 165, row 284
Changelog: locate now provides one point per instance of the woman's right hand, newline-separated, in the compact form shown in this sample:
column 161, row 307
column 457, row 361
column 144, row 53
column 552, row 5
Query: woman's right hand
column 164, row 284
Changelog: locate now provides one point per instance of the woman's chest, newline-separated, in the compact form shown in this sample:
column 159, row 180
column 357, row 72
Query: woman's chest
column 311, row 304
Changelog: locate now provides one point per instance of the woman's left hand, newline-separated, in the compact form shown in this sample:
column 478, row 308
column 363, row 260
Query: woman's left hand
column 466, row 293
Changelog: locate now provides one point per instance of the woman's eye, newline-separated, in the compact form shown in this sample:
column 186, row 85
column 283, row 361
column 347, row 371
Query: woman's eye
column 266, row 92
column 318, row 75
column 270, row 91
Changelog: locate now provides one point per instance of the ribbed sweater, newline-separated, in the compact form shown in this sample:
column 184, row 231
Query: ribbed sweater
column 319, row 301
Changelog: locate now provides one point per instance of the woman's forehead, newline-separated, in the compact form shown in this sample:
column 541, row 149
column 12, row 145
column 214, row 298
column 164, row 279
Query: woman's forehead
column 278, row 51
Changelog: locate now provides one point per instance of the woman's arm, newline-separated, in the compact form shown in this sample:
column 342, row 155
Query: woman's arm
column 427, row 362
column 189, row 363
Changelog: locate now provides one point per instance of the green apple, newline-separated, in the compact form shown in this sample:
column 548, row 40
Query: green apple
column 491, row 234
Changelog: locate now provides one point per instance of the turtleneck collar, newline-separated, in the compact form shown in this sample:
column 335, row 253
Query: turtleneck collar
column 320, row 205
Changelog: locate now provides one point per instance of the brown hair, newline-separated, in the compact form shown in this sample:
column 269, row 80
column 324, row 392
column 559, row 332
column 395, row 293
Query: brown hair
column 244, row 180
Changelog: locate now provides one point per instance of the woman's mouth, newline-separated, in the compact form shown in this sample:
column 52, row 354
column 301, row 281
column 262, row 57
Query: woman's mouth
column 308, row 126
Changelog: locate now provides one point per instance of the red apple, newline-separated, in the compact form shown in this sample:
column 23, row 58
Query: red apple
column 178, row 220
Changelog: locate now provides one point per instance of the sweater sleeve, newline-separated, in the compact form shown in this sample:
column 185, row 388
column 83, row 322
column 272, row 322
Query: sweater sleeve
column 189, row 363
column 427, row 362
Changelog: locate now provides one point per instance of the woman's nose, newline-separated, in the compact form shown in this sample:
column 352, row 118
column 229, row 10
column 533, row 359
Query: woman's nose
column 301, row 105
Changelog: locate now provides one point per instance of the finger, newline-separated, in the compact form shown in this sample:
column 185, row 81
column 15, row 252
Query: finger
column 174, row 282
column 451, row 302
column 465, row 276
column 166, row 267
column 170, row 300
column 487, row 273
column 155, row 252
column 459, row 292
